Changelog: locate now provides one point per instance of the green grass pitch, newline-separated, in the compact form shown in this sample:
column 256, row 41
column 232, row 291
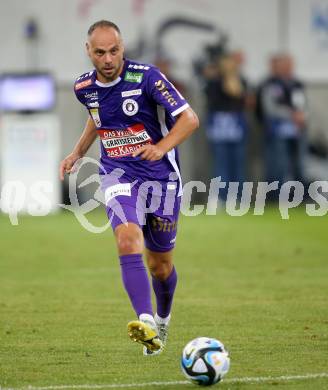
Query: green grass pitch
column 259, row 284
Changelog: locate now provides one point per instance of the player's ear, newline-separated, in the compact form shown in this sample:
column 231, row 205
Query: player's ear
column 122, row 45
column 87, row 46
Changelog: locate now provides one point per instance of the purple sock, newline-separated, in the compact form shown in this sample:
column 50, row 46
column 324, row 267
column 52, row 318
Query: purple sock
column 136, row 283
column 164, row 291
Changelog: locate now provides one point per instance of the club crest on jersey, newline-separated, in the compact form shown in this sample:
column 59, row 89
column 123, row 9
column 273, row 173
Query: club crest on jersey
column 130, row 107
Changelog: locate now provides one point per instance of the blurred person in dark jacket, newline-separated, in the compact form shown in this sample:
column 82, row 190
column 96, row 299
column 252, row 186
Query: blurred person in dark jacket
column 226, row 93
column 283, row 116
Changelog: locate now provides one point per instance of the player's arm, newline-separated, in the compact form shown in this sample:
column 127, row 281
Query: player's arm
column 86, row 140
column 185, row 125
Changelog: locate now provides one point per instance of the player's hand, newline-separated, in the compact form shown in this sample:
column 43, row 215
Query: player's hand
column 149, row 152
column 67, row 165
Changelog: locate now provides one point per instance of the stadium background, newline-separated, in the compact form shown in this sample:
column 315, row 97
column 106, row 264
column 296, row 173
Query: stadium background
column 259, row 28
column 56, row 279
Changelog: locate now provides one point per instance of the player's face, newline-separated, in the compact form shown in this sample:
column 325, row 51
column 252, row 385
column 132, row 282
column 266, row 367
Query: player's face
column 285, row 67
column 105, row 49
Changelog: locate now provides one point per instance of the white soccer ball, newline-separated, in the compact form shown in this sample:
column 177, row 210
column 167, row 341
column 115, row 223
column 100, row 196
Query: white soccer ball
column 205, row 361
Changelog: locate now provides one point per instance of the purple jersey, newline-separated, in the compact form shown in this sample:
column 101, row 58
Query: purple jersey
column 136, row 109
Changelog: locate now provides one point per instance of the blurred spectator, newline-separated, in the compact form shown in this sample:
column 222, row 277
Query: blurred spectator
column 281, row 110
column 164, row 64
column 226, row 93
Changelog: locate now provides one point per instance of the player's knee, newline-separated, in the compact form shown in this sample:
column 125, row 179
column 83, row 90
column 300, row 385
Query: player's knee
column 129, row 242
column 160, row 270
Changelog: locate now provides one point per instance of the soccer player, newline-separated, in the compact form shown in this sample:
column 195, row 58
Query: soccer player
column 140, row 118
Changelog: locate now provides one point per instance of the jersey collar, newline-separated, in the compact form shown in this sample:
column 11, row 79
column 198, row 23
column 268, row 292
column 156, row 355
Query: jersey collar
column 110, row 84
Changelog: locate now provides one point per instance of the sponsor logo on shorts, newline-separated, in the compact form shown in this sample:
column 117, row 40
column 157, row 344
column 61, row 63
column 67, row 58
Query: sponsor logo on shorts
column 133, row 92
column 83, row 84
column 162, row 87
column 95, row 116
column 123, row 142
column 133, row 77
column 117, row 190
column 159, row 224
column 130, row 107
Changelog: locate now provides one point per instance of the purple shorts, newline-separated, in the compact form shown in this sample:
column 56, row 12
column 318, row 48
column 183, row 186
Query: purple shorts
column 152, row 205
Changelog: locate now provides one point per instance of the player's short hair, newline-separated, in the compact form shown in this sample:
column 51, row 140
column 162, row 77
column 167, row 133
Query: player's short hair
column 103, row 23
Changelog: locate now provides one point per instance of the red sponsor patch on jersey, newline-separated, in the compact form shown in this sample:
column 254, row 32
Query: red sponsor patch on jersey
column 123, row 142
column 83, row 84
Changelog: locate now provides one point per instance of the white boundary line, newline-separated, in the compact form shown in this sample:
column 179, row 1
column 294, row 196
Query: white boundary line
column 260, row 379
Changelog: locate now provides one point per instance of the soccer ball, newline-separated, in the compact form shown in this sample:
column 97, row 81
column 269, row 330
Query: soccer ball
column 205, row 361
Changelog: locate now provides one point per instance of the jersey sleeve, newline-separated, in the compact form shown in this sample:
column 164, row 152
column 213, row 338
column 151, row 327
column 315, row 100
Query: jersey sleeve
column 80, row 87
column 164, row 93
column 79, row 95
